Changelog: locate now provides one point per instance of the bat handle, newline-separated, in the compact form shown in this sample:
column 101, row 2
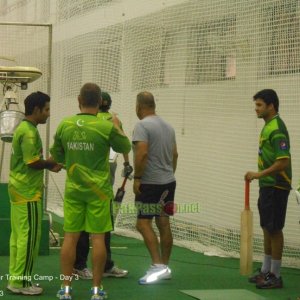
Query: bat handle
column 124, row 182
column 247, row 194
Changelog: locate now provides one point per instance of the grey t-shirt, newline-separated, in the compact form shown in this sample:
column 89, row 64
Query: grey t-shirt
column 161, row 140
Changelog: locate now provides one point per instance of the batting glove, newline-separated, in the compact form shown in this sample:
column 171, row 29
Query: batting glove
column 128, row 169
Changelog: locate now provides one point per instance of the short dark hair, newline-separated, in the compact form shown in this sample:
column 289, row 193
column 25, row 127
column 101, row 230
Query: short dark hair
column 269, row 96
column 36, row 99
column 146, row 100
column 90, row 94
column 106, row 102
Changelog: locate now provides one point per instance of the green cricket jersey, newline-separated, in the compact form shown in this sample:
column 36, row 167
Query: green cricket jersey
column 82, row 142
column 107, row 116
column 274, row 144
column 25, row 183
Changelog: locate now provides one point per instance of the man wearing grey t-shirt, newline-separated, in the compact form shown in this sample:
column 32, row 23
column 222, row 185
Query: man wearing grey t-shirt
column 155, row 161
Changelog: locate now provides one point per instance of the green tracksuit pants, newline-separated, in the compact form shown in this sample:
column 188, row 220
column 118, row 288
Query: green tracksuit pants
column 24, row 242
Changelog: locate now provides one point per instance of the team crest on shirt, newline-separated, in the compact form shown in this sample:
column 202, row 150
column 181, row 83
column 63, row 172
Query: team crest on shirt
column 282, row 145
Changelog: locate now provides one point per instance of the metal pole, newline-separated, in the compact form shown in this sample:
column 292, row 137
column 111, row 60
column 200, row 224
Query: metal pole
column 25, row 24
column 48, row 123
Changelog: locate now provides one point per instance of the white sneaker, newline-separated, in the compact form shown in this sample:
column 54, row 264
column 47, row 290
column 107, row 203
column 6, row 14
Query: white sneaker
column 84, row 273
column 30, row 290
column 115, row 272
column 155, row 274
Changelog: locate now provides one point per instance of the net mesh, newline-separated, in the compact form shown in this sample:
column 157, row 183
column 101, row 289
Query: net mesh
column 203, row 61
column 26, row 46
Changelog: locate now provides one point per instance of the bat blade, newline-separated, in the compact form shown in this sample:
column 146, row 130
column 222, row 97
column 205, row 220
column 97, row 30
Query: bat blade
column 119, row 195
column 118, row 199
column 246, row 248
column 118, row 202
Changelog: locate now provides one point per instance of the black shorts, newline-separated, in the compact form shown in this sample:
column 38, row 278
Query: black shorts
column 272, row 204
column 155, row 200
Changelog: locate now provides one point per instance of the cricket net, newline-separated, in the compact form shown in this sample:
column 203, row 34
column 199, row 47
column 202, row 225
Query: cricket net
column 203, row 61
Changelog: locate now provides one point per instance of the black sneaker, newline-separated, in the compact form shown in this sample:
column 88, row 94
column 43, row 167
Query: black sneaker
column 258, row 276
column 270, row 282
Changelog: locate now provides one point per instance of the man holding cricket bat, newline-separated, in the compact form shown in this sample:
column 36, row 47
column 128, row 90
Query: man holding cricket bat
column 274, row 175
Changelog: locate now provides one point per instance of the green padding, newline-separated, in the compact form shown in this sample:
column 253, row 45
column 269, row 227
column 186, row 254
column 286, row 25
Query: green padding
column 223, row 294
column 4, row 201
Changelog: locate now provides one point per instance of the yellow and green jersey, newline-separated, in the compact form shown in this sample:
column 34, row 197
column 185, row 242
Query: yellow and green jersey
column 25, row 183
column 106, row 116
column 274, row 144
column 82, row 142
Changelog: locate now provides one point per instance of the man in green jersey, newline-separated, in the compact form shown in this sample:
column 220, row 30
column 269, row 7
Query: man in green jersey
column 25, row 189
column 274, row 175
column 83, row 143
column 104, row 114
column 82, row 248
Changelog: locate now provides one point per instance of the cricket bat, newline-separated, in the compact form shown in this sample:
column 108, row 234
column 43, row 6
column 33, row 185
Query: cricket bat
column 118, row 199
column 246, row 248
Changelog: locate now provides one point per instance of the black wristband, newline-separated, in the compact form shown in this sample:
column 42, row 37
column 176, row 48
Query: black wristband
column 126, row 163
column 137, row 177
